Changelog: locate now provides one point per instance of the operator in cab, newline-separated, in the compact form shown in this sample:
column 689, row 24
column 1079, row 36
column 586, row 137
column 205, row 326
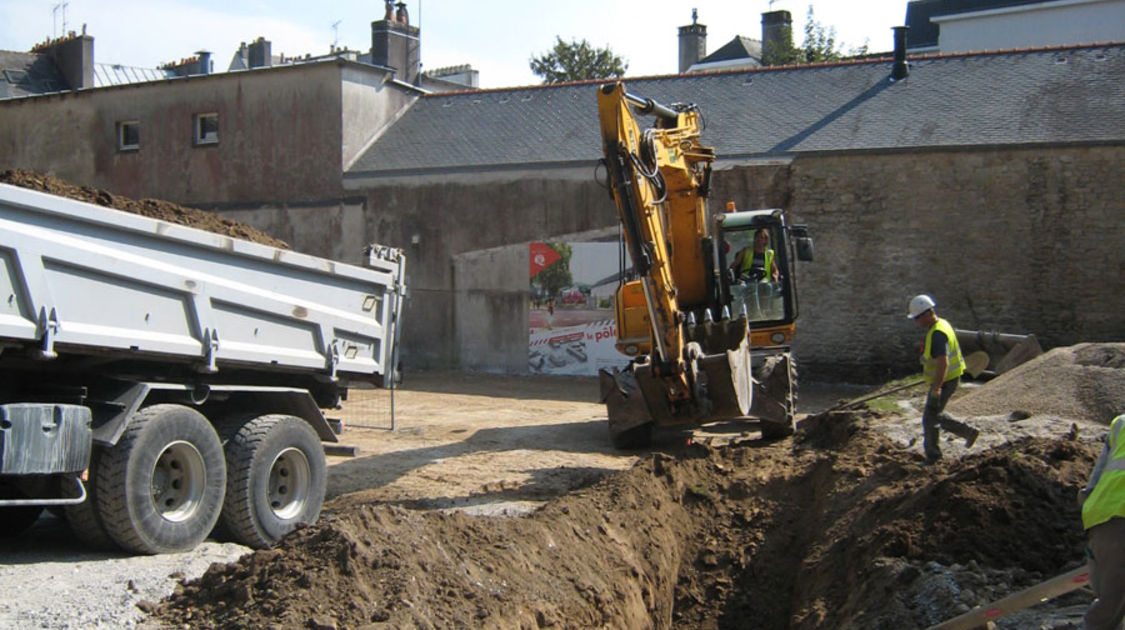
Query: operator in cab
column 756, row 263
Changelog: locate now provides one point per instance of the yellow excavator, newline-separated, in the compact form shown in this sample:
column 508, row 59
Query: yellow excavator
column 708, row 313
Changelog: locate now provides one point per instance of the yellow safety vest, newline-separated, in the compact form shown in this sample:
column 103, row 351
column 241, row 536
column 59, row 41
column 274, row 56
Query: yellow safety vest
column 956, row 362
column 1108, row 498
column 748, row 263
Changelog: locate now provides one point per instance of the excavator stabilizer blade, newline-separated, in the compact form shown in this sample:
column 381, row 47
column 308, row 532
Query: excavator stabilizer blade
column 774, row 400
column 630, row 422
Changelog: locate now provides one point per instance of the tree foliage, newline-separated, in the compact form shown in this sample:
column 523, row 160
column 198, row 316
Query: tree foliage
column 819, row 45
column 576, row 61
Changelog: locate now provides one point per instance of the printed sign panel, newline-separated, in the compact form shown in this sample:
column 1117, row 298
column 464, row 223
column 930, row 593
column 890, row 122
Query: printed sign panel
column 571, row 310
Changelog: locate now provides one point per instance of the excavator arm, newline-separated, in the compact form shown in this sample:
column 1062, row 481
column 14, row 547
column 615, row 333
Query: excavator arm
column 659, row 178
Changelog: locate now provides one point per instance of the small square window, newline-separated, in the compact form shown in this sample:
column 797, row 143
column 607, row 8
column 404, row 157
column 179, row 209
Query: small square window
column 128, row 135
column 206, row 129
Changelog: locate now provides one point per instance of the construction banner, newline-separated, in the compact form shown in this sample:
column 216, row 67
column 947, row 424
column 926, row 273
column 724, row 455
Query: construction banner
column 571, row 312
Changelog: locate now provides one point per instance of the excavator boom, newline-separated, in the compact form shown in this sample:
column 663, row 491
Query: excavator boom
column 659, row 179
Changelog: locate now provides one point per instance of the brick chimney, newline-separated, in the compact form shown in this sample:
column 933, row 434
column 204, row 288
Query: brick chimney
column 74, row 56
column 259, row 54
column 693, row 42
column 777, row 32
column 397, row 45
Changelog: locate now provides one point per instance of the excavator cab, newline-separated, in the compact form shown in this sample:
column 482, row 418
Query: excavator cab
column 755, row 253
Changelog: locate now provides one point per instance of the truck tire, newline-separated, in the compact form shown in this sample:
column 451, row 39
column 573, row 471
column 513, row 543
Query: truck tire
column 83, row 518
column 160, row 488
column 276, row 479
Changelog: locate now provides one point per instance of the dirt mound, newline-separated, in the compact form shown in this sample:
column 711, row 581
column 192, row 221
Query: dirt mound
column 1083, row 382
column 836, row 528
column 152, row 208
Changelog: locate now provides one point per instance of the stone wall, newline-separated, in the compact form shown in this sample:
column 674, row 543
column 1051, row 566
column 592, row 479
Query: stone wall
column 1018, row 241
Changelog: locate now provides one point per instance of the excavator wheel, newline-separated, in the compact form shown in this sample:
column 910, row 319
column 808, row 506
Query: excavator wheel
column 776, row 396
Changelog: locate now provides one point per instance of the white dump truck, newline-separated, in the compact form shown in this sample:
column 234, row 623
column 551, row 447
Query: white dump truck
column 159, row 382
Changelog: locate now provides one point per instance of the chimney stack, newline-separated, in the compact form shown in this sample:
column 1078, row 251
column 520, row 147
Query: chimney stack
column 693, row 42
column 204, row 63
column 74, row 56
column 259, row 54
column 396, row 44
column 777, row 33
column 900, row 70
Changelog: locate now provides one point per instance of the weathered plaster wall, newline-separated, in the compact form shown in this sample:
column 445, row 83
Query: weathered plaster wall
column 280, row 133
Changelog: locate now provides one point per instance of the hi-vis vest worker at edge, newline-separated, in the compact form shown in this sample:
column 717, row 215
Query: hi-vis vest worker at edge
column 1108, row 498
column 956, row 361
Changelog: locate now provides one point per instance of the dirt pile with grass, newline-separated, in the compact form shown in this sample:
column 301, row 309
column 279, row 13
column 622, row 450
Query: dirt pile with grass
column 837, row 527
column 152, row 208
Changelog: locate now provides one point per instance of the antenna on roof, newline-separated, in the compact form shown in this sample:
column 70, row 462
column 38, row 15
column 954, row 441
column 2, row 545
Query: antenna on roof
column 54, row 18
column 335, row 33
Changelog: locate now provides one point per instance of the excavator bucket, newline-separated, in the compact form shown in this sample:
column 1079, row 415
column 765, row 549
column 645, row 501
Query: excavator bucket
column 718, row 358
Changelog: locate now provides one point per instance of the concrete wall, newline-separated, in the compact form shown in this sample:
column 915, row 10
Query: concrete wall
column 1018, row 241
column 280, row 133
column 436, row 222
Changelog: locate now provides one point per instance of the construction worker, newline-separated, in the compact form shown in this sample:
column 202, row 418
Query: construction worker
column 942, row 367
column 756, row 263
column 1103, row 517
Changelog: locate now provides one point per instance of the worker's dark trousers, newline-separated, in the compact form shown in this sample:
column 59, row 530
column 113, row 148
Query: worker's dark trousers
column 1107, row 575
column 934, row 417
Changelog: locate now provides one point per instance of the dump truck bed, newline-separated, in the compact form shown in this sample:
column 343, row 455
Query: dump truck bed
column 77, row 278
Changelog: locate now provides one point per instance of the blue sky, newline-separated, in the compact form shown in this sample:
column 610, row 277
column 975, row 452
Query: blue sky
column 497, row 37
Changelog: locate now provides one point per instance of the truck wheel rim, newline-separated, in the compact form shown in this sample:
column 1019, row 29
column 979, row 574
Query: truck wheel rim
column 290, row 478
column 178, row 481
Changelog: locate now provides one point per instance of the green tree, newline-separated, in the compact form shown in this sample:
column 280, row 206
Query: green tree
column 557, row 276
column 576, row 61
column 820, row 41
column 819, row 45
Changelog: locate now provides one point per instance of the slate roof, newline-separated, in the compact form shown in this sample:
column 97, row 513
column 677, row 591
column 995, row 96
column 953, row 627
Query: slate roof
column 924, row 34
column 27, row 74
column 738, row 48
column 1044, row 96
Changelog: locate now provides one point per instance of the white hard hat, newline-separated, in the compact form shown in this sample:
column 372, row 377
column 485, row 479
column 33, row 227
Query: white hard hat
column 919, row 304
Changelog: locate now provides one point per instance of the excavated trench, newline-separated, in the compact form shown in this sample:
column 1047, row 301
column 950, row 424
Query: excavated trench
column 836, row 527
